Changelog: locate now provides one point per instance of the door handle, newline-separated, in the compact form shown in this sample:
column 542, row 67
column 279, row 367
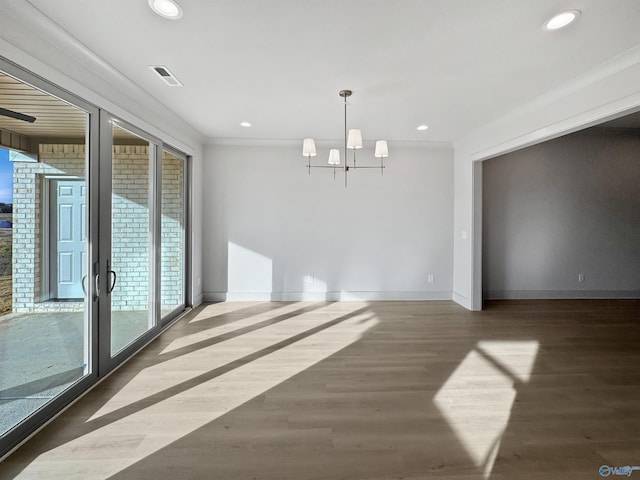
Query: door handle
column 115, row 279
column 96, row 282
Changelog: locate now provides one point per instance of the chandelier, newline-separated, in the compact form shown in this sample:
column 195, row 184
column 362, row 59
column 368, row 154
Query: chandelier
column 352, row 141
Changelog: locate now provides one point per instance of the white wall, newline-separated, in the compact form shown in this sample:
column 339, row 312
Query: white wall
column 602, row 93
column 562, row 208
column 31, row 40
column 271, row 231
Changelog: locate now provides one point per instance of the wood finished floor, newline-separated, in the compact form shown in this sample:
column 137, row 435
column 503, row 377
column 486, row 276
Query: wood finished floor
column 354, row 391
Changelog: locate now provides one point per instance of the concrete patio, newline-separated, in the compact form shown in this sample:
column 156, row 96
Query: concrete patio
column 42, row 354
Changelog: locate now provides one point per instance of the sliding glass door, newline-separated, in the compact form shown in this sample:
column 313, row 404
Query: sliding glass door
column 48, row 247
column 143, row 254
column 173, row 233
column 130, row 239
column 130, row 272
column 93, row 246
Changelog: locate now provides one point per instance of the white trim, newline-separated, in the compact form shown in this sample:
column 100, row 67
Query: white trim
column 559, row 294
column 198, row 300
column 622, row 106
column 50, row 41
column 254, row 142
column 461, row 300
column 602, row 72
column 45, row 240
column 324, row 143
column 476, row 234
column 214, row 296
column 332, row 296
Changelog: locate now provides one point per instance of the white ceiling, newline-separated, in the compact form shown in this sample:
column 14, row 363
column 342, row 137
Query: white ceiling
column 279, row 64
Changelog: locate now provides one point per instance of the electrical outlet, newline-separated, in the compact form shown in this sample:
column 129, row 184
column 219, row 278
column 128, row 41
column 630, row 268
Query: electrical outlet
column 430, row 278
column 581, row 277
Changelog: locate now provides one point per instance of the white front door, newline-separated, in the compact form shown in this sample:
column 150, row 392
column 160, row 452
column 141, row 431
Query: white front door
column 68, row 207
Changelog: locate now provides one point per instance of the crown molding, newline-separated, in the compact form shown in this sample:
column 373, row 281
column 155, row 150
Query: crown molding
column 322, row 143
column 33, row 41
column 579, row 97
column 572, row 124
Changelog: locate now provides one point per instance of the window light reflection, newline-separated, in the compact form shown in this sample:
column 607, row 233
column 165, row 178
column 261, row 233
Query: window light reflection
column 477, row 398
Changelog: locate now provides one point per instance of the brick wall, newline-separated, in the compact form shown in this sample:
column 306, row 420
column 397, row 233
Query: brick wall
column 28, row 184
column 130, row 235
column 130, row 227
column 172, row 285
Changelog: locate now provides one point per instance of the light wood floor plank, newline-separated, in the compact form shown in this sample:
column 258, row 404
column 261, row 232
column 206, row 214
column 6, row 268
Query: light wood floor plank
column 523, row 390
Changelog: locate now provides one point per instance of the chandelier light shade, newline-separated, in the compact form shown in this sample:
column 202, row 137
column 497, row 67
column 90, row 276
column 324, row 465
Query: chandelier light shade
column 382, row 150
column 309, row 147
column 352, row 141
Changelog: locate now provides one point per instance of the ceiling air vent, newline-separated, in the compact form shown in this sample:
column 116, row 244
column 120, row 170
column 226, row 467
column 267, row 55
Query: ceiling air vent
column 168, row 77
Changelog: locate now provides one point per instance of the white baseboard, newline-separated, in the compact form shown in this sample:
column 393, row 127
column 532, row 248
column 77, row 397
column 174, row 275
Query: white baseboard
column 558, row 294
column 214, row 296
column 461, row 300
column 333, row 296
column 198, row 299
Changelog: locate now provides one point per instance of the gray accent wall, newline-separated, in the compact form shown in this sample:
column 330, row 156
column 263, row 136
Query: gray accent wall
column 561, row 219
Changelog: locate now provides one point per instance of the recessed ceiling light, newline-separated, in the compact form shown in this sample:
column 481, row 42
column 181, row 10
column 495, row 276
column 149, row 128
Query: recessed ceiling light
column 245, row 124
column 422, row 127
column 166, row 8
column 561, row 20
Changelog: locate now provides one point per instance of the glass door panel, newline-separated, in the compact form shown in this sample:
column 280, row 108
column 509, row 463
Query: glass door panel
column 93, row 248
column 45, row 288
column 172, row 234
column 129, row 282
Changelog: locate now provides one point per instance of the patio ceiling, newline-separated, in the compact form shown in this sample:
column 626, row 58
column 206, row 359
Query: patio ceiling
column 54, row 118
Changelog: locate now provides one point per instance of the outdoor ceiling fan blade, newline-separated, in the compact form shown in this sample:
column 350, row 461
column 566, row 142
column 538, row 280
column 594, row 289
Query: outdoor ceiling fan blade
column 17, row 115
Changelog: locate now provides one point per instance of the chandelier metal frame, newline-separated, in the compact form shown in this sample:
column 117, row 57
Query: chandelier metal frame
column 352, row 141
